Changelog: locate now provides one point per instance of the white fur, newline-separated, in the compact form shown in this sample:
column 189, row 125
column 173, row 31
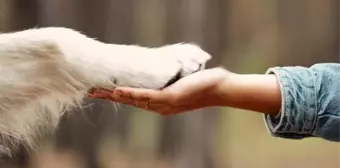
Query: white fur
column 44, row 72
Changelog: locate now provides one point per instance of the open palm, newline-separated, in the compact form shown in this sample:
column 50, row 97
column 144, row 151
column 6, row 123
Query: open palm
column 195, row 91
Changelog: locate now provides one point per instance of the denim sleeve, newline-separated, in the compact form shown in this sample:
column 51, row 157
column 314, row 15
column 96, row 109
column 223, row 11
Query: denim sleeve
column 310, row 102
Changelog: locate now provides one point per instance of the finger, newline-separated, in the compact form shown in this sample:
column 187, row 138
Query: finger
column 156, row 107
column 109, row 94
column 139, row 94
column 142, row 104
column 152, row 100
column 152, row 107
column 99, row 93
column 162, row 109
column 123, row 100
column 116, row 96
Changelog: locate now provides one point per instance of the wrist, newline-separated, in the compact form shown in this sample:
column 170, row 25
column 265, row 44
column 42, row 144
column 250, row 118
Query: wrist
column 223, row 91
column 219, row 93
column 253, row 92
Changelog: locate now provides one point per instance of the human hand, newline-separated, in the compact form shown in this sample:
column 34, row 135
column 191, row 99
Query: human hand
column 197, row 90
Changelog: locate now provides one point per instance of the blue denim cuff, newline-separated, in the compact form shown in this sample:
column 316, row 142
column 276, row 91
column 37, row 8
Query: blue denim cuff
column 298, row 111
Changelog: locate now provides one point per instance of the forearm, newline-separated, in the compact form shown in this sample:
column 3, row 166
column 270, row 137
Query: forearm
column 308, row 99
column 260, row 93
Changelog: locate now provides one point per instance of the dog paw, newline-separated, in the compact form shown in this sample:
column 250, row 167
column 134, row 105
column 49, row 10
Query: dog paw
column 159, row 67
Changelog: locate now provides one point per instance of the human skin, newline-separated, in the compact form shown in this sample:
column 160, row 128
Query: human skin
column 206, row 88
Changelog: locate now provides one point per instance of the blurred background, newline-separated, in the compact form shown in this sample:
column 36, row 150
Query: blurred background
column 246, row 36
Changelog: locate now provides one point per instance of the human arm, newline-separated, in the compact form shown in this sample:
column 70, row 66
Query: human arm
column 254, row 92
column 308, row 99
column 212, row 87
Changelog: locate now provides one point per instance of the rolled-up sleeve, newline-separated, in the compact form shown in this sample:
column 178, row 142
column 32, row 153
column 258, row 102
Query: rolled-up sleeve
column 310, row 102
